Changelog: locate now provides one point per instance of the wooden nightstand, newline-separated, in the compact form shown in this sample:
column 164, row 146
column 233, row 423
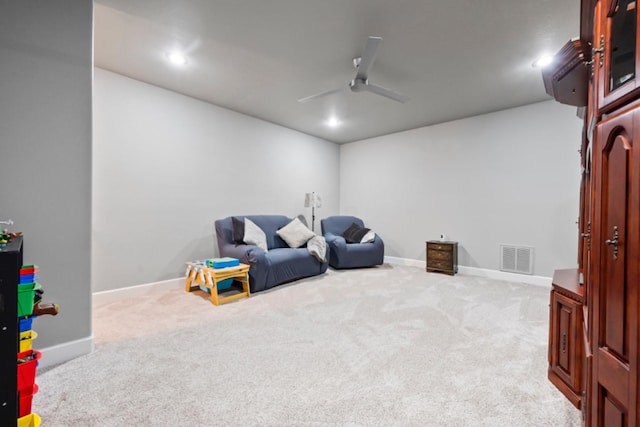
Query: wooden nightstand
column 442, row 257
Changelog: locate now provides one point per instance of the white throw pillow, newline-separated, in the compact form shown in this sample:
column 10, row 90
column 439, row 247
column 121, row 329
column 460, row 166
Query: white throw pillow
column 253, row 235
column 295, row 233
column 369, row 237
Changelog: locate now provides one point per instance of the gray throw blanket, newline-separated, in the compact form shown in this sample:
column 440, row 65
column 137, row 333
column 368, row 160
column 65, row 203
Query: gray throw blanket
column 317, row 247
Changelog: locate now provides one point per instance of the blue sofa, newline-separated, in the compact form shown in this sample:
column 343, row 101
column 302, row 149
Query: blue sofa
column 280, row 264
column 350, row 255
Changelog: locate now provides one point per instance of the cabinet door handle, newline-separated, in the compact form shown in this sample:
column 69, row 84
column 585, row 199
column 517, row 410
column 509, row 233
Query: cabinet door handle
column 599, row 52
column 614, row 242
column 587, row 235
column 564, row 343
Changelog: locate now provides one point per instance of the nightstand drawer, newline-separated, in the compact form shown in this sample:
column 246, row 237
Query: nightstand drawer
column 439, row 255
column 440, row 246
column 440, row 265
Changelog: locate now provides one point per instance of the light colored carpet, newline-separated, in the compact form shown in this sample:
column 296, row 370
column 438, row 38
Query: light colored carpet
column 389, row 346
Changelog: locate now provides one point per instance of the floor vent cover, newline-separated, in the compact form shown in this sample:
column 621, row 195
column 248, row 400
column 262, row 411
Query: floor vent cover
column 516, row 259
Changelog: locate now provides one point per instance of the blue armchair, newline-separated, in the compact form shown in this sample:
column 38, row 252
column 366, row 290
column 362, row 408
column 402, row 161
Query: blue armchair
column 349, row 255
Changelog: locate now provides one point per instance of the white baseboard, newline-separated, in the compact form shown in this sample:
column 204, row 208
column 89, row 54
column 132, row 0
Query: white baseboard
column 503, row 275
column 405, row 261
column 479, row 272
column 149, row 288
column 61, row 353
column 136, row 291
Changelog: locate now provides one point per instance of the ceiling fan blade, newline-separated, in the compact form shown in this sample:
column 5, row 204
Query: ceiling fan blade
column 392, row 94
column 368, row 56
column 319, row 95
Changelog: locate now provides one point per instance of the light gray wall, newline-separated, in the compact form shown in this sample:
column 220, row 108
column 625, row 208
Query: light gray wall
column 45, row 146
column 165, row 166
column 510, row 177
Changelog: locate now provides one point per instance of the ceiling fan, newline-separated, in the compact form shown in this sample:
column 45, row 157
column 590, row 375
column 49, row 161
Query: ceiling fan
column 361, row 83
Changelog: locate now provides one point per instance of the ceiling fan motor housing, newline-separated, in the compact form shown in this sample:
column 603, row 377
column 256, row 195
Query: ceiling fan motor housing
column 358, row 85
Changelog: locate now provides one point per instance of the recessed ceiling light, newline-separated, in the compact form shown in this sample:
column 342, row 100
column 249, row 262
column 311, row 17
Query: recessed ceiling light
column 543, row 61
column 333, row 122
column 177, row 58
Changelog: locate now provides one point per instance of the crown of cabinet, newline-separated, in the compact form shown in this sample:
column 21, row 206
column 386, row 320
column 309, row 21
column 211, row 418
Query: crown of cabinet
column 567, row 79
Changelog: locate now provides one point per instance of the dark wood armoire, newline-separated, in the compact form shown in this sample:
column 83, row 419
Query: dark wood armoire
column 594, row 350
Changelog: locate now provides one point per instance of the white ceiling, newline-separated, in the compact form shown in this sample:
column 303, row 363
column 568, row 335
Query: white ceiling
column 453, row 58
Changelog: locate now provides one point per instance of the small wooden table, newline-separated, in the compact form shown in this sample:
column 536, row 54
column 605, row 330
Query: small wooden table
column 199, row 274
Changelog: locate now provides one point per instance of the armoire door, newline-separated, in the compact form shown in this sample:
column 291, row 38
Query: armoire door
column 615, row 271
column 616, row 58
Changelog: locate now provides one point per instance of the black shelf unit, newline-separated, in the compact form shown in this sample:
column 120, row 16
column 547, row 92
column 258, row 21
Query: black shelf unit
column 10, row 264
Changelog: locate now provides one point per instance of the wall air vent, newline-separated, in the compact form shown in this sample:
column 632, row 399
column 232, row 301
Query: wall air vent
column 516, row 259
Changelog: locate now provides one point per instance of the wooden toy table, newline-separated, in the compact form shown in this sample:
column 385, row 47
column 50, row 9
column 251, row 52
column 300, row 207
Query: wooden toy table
column 198, row 274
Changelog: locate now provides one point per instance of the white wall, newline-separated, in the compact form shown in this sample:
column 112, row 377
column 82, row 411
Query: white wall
column 46, row 69
column 165, row 166
column 507, row 177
